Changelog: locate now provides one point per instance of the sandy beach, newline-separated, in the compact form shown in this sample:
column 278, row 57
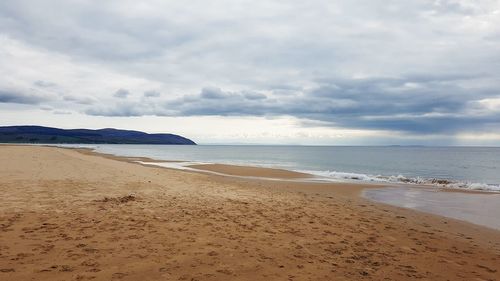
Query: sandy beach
column 69, row 214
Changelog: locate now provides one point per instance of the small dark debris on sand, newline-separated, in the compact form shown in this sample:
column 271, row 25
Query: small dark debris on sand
column 119, row 200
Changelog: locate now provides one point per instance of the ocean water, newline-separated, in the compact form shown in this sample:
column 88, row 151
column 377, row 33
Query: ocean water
column 476, row 168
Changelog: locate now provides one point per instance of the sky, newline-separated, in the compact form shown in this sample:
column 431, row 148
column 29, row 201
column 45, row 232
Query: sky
column 356, row 72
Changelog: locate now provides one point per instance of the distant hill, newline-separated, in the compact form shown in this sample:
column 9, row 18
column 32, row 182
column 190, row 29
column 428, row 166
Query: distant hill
column 38, row 134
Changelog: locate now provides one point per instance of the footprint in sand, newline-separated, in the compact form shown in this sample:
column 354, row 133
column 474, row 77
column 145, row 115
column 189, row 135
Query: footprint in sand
column 6, row 270
column 118, row 275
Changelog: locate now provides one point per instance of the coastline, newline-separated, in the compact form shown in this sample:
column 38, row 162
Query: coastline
column 256, row 172
column 477, row 207
column 454, row 168
column 77, row 214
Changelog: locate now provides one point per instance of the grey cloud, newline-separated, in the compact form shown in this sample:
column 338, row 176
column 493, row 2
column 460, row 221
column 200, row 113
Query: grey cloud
column 213, row 93
column 152, row 94
column 79, row 100
column 60, row 112
column 121, row 93
column 120, row 110
column 279, row 39
column 435, row 106
column 254, row 96
column 44, row 84
column 21, row 98
column 452, row 7
column 342, row 63
column 87, row 30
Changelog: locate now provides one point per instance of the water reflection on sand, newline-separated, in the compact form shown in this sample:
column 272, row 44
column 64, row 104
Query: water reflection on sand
column 477, row 208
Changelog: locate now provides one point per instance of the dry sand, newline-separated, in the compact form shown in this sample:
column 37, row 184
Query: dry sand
column 74, row 215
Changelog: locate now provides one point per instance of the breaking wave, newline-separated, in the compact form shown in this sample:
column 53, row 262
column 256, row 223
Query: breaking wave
column 444, row 183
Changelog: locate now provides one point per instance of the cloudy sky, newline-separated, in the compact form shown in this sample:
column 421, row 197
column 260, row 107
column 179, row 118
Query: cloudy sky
column 237, row 71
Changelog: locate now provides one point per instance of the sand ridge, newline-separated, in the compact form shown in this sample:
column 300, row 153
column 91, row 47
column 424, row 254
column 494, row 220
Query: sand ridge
column 247, row 171
column 65, row 215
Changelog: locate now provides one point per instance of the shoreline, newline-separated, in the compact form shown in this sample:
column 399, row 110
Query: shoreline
column 277, row 173
column 356, row 188
column 77, row 214
column 297, row 181
column 256, row 172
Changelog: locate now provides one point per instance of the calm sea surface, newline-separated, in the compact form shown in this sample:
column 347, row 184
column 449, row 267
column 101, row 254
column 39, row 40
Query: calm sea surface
column 454, row 167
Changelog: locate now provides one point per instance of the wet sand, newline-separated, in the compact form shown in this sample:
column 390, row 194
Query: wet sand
column 246, row 171
column 481, row 208
column 75, row 215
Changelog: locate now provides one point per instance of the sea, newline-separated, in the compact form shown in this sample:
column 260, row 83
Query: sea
column 415, row 175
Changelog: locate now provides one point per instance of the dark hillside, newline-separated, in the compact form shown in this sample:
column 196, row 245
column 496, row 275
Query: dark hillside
column 39, row 134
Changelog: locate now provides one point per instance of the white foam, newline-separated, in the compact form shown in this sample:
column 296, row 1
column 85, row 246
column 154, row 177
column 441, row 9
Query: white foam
column 444, row 183
column 355, row 177
column 174, row 165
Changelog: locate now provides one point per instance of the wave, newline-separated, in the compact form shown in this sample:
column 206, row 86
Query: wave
column 444, row 183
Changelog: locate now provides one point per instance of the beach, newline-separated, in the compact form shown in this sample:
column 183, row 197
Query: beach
column 68, row 214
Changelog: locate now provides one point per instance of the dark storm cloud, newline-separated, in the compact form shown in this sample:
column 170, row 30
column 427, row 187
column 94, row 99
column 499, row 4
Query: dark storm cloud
column 427, row 125
column 21, row 98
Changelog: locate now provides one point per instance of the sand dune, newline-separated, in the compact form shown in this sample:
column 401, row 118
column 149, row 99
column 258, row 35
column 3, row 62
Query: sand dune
column 69, row 215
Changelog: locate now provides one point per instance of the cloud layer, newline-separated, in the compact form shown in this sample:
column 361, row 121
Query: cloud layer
column 419, row 105
column 414, row 67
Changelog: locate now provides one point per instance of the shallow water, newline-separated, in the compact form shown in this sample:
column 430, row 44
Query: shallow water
column 481, row 209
